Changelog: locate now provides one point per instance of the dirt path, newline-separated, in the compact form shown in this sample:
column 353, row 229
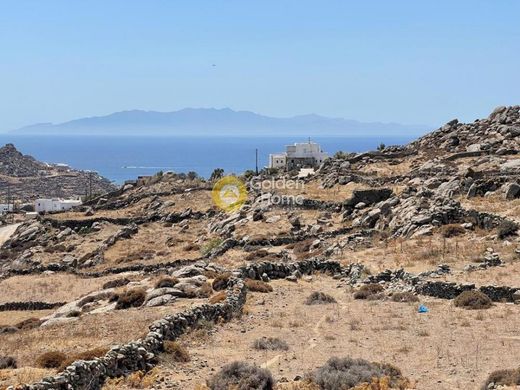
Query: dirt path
column 7, row 231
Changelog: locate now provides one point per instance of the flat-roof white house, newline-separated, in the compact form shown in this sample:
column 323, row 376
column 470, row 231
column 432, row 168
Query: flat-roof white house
column 55, row 204
column 298, row 155
column 5, row 208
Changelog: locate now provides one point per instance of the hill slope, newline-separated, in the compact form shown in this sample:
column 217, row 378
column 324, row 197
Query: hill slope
column 209, row 121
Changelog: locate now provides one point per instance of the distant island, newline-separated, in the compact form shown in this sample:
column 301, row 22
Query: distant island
column 222, row 122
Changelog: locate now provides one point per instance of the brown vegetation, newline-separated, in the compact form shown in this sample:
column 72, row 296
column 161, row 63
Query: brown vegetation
column 369, row 291
column 51, row 359
column 130, row 298
column 473, row 300
column 241, row 376
column 319, row 298
column 258, row 286
column 176, row 351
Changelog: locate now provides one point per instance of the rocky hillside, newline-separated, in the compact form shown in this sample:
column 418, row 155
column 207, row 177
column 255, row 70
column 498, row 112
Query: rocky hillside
column 27, row 179
column 399, row 253
column 499, row 133
column 14, row 163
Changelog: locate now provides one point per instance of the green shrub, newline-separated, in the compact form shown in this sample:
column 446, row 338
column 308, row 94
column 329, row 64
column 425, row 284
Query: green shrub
column 210, row 245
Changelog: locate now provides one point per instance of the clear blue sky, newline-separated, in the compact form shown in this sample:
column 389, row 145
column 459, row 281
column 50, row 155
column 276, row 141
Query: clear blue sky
column 403, row 61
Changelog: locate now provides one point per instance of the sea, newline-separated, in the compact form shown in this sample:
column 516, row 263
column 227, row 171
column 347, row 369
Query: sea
column 121, row 158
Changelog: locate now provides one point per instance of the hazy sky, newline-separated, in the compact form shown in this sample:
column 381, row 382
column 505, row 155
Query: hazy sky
column 403, row 61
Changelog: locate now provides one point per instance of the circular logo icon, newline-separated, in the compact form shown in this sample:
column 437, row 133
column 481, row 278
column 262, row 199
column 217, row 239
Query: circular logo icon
column 229, row 193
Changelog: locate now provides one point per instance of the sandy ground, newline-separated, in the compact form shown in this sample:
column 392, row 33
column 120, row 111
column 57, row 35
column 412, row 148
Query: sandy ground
column 447, row 348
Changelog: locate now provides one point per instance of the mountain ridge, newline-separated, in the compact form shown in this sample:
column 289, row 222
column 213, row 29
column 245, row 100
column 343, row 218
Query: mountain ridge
column 212, row 121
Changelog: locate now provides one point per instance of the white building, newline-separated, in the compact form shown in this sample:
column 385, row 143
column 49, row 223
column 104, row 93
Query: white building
column 5, row 208
column 55, row 204
column 298, row 155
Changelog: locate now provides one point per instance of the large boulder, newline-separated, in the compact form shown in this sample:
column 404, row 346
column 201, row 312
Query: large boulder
column 512, row 191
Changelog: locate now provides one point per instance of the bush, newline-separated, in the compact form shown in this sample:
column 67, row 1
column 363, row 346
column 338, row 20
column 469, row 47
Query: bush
column 452, row 230
column 204, row 291
column 404, row 297
column 221, row 281
column 176, row 351
column 347, row 373
column 130, row 298
column 53, row 359
column 319, row 298
column 369, row 291
column 218, row 297
column 473, row 300
column 210, row 245
column 90, row 354
column 258, row 286
column 503, row 377
column 7, row 362
column 241, row 376
column 166, row 281
column 116, row 283
column 29, row 323
column 506, row 229
column 271, row 344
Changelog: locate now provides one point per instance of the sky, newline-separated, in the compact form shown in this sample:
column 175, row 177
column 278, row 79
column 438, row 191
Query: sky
column 405, row 61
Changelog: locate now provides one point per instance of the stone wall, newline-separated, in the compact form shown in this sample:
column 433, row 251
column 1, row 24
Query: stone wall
column 140, row 355
column 30, row 305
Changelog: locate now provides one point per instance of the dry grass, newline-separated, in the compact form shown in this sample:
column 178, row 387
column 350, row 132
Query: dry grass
column 92, row 330
column 22, row 375
column 218, row 297
column 258, row 286
column 319, row 298
column 48, row 288
column 473, row 300
column 136, row 380
column 51, row 359
column 176, row 351
column 369, row 291
column 133, row 297
column 166, row 281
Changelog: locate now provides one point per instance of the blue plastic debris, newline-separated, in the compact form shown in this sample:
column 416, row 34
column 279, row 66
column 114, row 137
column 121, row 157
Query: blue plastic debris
column 423, row 309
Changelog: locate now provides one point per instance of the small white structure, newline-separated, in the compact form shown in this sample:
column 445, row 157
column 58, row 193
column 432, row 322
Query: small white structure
column 299, row 155
column 5, row 208
column 55, row 204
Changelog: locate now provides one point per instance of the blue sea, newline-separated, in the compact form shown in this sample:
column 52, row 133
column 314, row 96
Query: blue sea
column 120, row 158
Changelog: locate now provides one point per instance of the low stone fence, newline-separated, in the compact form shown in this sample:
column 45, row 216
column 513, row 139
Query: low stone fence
column 140, row 355
column 282, row 270
column 29, row 305
column 450, row 290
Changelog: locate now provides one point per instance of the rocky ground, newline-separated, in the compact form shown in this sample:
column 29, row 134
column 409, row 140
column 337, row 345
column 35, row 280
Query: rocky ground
column 380, row 232
column 27, row 179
